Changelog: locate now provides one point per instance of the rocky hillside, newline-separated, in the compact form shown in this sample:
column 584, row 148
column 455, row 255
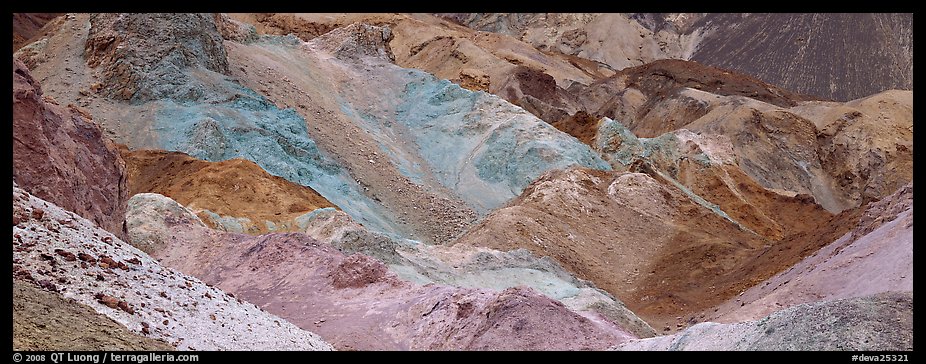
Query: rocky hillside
column 790, row 50
column 350, row 298
column 846, row 324
column 27, row 26
column 64, row 253
column 875, row 51
column 393, row 181
column 75, row 326
column 59, row 153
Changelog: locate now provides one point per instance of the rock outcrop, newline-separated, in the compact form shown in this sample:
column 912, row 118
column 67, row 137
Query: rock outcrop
column 144, row 57
column 233, row 195
column 62, row 155
column 26, row 26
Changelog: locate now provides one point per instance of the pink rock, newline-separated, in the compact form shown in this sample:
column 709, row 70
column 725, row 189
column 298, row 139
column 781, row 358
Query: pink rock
column 63, row 157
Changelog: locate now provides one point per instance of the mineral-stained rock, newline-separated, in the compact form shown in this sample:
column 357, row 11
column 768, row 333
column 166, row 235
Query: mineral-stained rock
column 143, row 56
column 130, row 296
column 60, row 155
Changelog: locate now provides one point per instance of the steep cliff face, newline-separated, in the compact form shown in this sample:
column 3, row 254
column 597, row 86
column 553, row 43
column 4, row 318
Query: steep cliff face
column 26, row 26
column 145, row 57
column 61, row 154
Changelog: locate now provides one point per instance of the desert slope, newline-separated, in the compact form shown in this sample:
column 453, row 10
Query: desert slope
column 69, row 255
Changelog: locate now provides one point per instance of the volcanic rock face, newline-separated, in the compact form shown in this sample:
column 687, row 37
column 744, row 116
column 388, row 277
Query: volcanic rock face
column 234, row 195
column 149, row 214
column 144, row 57
column 796, row 149
column 74, row 326
column 60, row 154
column 26, row 26
column 479, row 61
column 473, row 267
column 449, row 150
column 356, row 41
column 284, row 24
column 651, row 99
column 843, row 154
column 126, row 285
column 865, row 145
column 613, row 39
column 707, row 166
column 846, row 324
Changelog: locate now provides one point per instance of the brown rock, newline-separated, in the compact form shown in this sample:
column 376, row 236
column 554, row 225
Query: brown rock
column 212, row 316
column 180, row 176
column 474, row 80
column 68, row 256
column 105, row 259
column 108, row 301
column 38, row 213
column 358, row 270
column 145, row 330
column 125, row 307
column 86, row 258
column 134, row 260
column 21, row 273
column 27, row 27
column 107, row 240
column 48, row 285
column 127, row 49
